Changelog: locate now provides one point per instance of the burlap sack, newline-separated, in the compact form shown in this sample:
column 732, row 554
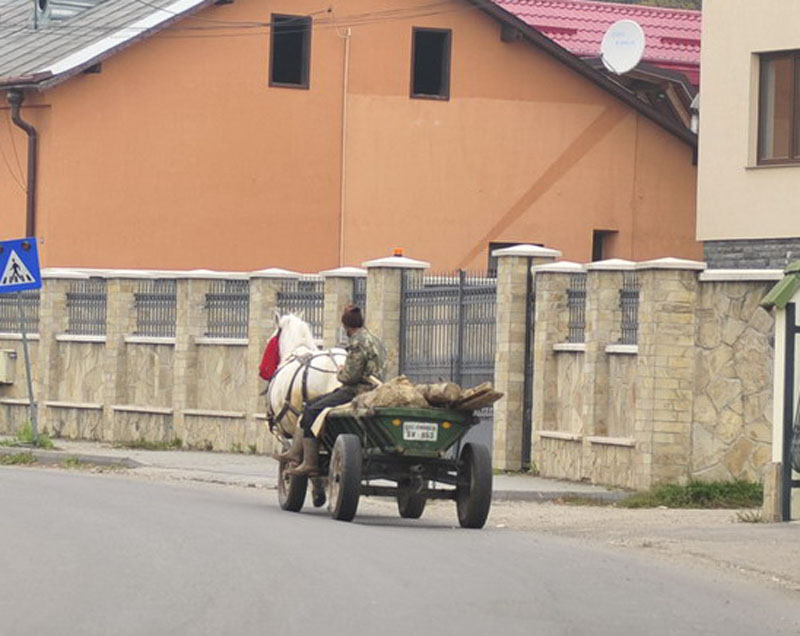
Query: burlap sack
column 396, row 392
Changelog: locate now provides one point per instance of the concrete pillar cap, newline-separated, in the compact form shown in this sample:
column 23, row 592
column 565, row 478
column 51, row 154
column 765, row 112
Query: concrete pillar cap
column 612, row 265
column 63, row 272
column 209, row 274
column 672, row 263
column 562, row 267
column 722, row 275
column 399, row 262
column 532, row 251
column 274, row 272
column 344, row 272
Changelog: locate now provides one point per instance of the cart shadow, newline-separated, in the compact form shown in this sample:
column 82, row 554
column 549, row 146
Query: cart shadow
column 377, row 520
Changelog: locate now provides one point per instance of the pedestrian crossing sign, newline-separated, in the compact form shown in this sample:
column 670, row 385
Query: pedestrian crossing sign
column 19, row 265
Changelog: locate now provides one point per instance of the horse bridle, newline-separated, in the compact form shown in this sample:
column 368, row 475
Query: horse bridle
column 305, row 366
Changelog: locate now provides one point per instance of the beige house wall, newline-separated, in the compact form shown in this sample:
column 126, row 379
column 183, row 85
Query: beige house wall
column 737, row 199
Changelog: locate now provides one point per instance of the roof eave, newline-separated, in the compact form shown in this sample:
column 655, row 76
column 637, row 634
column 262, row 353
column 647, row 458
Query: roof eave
column 582, row 68
column 44, row 80
column 24, row 81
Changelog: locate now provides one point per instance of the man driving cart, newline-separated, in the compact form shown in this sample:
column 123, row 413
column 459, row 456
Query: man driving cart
column 363, row 369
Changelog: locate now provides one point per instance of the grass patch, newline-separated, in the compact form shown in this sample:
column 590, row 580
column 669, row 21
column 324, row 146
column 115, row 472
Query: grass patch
column 17, row 459
column 699, row 494
column 25, row 436
column 143, row 444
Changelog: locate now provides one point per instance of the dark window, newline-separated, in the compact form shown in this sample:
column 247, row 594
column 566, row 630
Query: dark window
column 601, row 240
column 291, row 45
column 778, row 129
column 430, row 63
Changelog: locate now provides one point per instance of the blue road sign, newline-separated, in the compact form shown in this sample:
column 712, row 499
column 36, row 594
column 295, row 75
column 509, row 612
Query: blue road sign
column 19, row 265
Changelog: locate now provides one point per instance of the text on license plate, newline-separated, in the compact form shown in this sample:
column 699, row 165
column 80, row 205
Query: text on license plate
column 420, row 431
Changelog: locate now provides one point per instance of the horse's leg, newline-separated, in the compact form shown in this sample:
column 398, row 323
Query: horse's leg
column 318, row 492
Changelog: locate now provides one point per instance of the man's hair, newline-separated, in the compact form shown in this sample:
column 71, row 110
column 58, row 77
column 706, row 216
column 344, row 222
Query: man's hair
column 352, row 318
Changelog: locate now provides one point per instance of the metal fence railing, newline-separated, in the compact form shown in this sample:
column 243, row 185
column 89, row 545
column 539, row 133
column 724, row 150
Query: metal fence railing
column 629, row 304
column 10, row 306
column 86, row 307
column 360, row 294
column 156, row 308
column 228, row 309
column 576, row 304
column 448, row 328
column 304, row 297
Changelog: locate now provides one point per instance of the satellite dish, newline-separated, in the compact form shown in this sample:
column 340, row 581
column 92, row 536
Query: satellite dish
column 623, row 46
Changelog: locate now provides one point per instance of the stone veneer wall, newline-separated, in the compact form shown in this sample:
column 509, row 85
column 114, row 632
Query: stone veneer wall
column 693, row 398
column 732, row 429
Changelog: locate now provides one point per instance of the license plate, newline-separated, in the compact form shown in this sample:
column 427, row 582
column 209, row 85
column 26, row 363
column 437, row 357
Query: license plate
column 420, row 431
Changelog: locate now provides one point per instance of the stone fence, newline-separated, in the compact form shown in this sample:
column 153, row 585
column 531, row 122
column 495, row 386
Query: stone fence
column 123, row 356
column 691, row 397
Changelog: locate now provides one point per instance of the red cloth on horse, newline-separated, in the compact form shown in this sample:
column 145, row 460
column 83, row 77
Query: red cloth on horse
column 271, row 359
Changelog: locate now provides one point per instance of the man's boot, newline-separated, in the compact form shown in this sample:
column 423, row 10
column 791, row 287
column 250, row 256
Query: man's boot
column 294, row 454
column 310, row 465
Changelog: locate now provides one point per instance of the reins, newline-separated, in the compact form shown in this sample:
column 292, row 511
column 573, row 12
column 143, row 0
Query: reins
column 305, row 366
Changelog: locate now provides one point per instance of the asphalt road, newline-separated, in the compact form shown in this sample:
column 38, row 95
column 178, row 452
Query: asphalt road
column 91, row 554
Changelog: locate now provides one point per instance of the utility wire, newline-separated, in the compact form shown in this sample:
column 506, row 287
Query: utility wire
column 16, row 154
column 370, row 17
column 11, row 171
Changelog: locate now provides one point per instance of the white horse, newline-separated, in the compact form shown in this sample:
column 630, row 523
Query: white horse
column 305, row 372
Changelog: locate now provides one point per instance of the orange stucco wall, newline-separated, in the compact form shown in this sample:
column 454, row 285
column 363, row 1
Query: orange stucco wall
column 180, row 155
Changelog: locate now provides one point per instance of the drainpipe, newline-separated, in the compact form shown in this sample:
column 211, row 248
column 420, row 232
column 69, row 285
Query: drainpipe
column 15, row 99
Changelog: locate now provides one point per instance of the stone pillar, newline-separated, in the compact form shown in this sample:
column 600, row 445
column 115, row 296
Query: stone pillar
column 53, row 320
column 384, row 297
column 667, row 305
column 603, row 327
column 190, row 324
column 339, row 291
column 513, row 271
column 552, row 327
column 120, row 322
column 264, row 288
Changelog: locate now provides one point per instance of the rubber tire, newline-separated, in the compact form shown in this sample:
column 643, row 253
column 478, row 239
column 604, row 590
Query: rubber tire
column 291, row 489
column 474, row 487
column 344, row 477
column 411, row 506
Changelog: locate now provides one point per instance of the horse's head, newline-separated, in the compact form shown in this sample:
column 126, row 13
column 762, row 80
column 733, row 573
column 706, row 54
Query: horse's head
column 294, row 333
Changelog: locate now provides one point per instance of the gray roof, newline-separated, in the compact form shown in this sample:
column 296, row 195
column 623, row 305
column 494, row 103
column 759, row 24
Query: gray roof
column 44, row 51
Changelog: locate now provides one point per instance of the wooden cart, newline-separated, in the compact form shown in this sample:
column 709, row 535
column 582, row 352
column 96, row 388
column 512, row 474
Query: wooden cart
column 410, row 454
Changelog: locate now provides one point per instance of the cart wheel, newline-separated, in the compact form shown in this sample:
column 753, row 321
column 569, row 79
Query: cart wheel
column 344, row 477
column 474, row 488
column 318, row 497
column 291, row 489
column 410, row 505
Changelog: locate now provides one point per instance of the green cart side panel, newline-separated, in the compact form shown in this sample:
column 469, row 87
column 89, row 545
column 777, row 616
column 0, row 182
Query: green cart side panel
column 384, row 430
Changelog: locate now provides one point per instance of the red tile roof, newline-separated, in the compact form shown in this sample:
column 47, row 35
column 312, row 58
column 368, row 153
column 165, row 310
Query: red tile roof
column 672, row 35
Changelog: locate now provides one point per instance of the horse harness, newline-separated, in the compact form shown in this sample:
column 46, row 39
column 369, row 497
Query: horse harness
column 305, row 366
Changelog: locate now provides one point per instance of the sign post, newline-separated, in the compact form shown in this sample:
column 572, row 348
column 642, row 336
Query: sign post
column 19, row 271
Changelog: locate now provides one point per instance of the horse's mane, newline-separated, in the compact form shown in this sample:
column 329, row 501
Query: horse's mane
column 295, row 333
